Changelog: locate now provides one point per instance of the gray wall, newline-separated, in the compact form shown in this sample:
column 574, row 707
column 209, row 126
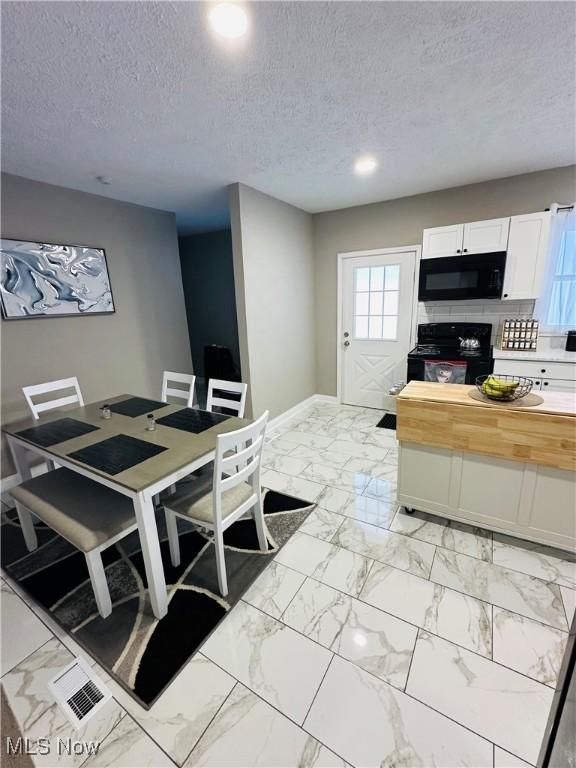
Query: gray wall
column 208, row 280
column 400, row 222
column 274, row 272
column 110, row 354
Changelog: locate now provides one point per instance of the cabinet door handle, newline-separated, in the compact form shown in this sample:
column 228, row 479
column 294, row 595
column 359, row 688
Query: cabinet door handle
column 458, row 250
column 537, row 382
column 543, row 370
column 465, row 250
column 505, row 295
column 545, row 383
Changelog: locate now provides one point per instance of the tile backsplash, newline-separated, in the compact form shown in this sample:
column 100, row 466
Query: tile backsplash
column 474, row 312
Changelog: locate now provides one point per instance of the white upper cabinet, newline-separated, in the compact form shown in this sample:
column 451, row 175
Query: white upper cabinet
column 442, row 241
column 486, row 236
column 526, row 258
column 477, row 237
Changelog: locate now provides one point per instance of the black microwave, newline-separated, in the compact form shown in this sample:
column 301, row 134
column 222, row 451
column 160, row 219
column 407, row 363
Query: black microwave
column 468, row 276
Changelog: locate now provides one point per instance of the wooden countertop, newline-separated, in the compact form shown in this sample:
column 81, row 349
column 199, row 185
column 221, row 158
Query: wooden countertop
column 557, row 403
column 445, row 416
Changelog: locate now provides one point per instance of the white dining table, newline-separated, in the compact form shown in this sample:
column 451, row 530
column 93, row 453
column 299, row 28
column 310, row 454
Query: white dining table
column 185, row 452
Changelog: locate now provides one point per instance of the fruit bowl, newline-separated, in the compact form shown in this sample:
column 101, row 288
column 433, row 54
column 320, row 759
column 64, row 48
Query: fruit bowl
column 504, row 388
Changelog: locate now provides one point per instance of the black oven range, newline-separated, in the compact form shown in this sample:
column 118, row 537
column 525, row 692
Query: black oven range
column 441, row 354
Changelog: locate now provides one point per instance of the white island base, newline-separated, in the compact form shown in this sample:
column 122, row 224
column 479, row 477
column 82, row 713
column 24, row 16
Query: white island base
column 527, row 500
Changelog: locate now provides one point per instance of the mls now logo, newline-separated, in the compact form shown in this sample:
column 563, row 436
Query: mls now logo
column 43, row 746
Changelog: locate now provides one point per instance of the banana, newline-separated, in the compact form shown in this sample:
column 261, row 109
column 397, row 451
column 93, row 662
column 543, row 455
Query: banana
column 490, row 392
column 498, row 388
column 505, row 384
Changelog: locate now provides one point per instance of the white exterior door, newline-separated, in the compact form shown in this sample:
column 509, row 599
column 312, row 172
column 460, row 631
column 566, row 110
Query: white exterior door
column 377, row 300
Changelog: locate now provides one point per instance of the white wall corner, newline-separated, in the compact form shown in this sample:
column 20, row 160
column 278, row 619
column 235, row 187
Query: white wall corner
column 275, row 423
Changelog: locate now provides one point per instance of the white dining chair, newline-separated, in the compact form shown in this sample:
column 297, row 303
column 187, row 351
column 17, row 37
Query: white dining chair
column 85, row 513
column 169, row 378
column 214, row 503
column 60, row 385
column 52, row 386
column 218, row 387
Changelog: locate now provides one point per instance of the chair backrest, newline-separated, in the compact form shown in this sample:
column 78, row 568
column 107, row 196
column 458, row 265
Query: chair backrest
column 52, row 386
column 237, row 460
column 178, row 378
column 217, row 387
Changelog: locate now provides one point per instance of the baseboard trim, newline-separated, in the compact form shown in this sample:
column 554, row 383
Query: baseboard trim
column 277, row 421
column 327, row 399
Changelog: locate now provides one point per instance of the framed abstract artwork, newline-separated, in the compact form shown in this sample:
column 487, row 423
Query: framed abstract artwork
column 47, row 280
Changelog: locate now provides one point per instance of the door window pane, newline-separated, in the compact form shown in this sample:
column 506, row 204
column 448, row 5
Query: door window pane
column 361, row 328
column 362, row 303
column 377, row 278
column 390, row 303
column 362, row 278
column 375, row 328
column 393, row 277
column 375, row 303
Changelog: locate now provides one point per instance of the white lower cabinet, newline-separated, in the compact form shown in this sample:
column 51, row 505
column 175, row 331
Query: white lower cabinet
column 530, row 501
column 547, row 376
column 488, row 490
column 559, row 385
column 426, row 472
column 553, row 503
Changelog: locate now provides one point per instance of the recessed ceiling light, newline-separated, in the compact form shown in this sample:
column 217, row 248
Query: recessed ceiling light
column 366, row 165
column 228, row 20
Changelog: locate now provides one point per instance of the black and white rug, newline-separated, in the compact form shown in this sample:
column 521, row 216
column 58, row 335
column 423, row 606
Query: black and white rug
column 388, row 421
column 144, row 654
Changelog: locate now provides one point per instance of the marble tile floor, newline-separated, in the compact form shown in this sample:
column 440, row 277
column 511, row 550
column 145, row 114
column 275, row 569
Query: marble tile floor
column 375, row 638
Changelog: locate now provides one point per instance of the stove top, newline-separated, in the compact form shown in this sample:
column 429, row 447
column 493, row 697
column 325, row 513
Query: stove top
column 448, row 352
column 442, row 340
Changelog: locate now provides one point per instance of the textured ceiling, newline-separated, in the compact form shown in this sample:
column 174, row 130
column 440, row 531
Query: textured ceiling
column 442, row 93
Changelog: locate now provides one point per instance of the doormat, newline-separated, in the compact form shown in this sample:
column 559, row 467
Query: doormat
column 388, row 421
column 142, row 653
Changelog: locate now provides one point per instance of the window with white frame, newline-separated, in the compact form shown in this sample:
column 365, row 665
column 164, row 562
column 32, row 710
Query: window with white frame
column 376, row 301
column 556, row 308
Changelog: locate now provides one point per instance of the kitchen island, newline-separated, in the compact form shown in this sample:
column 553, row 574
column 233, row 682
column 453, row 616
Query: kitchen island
column 509, row 467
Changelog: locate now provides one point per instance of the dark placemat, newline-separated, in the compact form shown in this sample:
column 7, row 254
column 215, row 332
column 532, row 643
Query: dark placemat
column 192, row 420
column 117, row 453
column 137, row 406
column 56, row 432
column 388, row 421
